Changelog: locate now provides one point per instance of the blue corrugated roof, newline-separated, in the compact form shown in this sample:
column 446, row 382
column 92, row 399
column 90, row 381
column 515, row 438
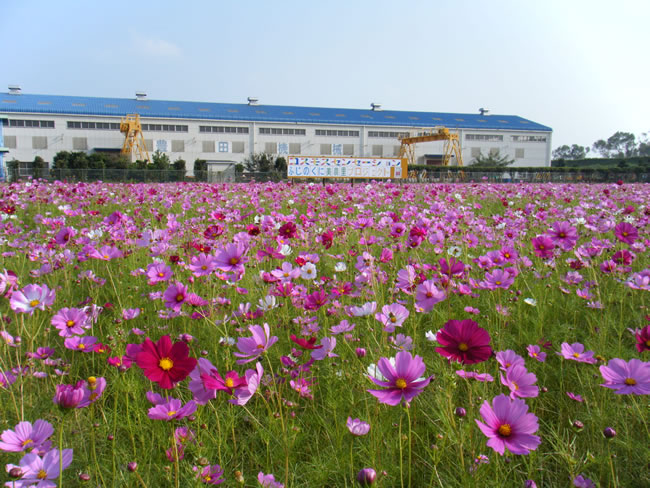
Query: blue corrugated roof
column 56, row 104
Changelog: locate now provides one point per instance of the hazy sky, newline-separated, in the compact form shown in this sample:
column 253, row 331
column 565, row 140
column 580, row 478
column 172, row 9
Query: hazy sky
column 580, row 67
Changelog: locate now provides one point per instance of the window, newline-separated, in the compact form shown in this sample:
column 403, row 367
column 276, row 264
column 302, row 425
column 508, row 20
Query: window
column 476, row 152
column 286, row 132
column 519, row 153
column 294, row 148
column 223, row 147
column 223, row 129
column 283, row 148
column 208, row 146
column 348, row 149
column 377, row 150
column 39, row 142
column 325, row 149
column 238, row 147
column 79, row 143
column 337, row 149
column 10, row 142
column 178, row 146
column 37, row 124
column 341, row 133
column 391, row 135
column 270, row 148
column 528, row 138
column 484, row 137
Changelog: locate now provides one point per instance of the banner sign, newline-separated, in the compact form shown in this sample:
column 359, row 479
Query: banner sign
column 332, row 167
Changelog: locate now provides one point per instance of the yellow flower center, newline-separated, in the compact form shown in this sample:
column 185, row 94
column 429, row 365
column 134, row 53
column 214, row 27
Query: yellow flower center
column 42, row 474
column 505, row 430
column 229, row 382
column 180, row 297
column 93, row 396
column 69, row 323
column 630, row 381
column 26, row 442
column 166, row 364
column 34, row 303
column 463, row 347
column 498, row 282
column 400, row 383
column 234, row 261
column 647, row 343
column 204, row 267
column 624, row 234
column 81, row 346
column 286, row 275
column 576, row 355
column 161, row 275
column 260, row 346
column 515, row 385
column 106, row 256
column 393, row 319
column 171, row 413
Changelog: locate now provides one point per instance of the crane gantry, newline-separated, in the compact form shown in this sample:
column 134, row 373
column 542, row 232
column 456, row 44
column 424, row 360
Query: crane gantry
column 134, row 140
column 451, row 145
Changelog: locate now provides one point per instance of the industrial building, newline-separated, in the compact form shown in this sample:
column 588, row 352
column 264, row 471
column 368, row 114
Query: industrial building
column 42, row 125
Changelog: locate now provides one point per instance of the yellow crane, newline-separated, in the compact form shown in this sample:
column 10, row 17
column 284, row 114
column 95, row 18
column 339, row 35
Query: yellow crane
column 451, row 145
column 134, row 140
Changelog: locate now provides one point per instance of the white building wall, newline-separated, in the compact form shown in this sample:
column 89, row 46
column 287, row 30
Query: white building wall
column 237, row 146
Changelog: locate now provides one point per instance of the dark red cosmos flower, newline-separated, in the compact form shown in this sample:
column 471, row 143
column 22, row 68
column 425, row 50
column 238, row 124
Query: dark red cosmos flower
column 464, row 341
column 288, row 230
column 305, row 343
column 165, row 363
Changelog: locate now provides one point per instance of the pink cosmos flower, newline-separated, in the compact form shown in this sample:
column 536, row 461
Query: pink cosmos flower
column 563, row 235
column 200, row 392
column 106, row 253
column 509, row 425
column 232, row 258
column 252, row 347
column 83, row 344
column 25, row 436
column 172, row 409
column 93, row 388
column 158, row 272
column 367, row 308
column 327, row 346
column 244, row 393
column 175, row 296
column 286, row 272
column 626, row 233
column 464, row 341
column 427, row 295
column 214, row 381
column 64, row 235
column 68, row 396
column 482, row 377
column 342, row 327
column 508, row 358
column 403, row 381
column 209, row 475
column 643, row 339
column 498, row 278
column 32, row 297
column 520, row 382
column 7, row 378
column 536, row 353
column 71, row 321
column 392, row 316
column 40, row 472
column 268, row 481
column 576, row 352
column 628, row 377
column 357, row 427
column 574, row 396
column 202, row 265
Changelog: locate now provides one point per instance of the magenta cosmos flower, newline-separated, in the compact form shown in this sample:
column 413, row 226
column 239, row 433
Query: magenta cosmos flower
column 563, row 235
column 520, row 382
column 231, row 258
column 175, row 296
column 627, row 377
column 403, row 381
column 71, row 321
column 626, row 233
column 576, row 352
column 32, row 297
column 171, row 409
column 509, row 425
column 25, row 436
column 643, row 339
column 165, row 363
column 252, row 347
column 209, row 475
column 543, row 246
column 464, row 341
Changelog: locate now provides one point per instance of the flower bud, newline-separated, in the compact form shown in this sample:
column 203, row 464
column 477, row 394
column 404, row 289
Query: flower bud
column 460, row 412
column 132, row 466
column 361, row 352
column 609, row 432
column 366, row 476
column 84, row 477
column 15, row 472
column 578, row 425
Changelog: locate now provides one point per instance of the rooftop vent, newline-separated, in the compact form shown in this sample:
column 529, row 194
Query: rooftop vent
column 483, row 111
column 253, row 101
column 375, row 107
column 140, row 95
column 14, row 89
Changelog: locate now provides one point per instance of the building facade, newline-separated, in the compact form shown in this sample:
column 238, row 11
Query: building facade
column 42, row 125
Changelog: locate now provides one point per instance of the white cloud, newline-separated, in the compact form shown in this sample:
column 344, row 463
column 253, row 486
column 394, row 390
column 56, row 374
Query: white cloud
column 156, row 47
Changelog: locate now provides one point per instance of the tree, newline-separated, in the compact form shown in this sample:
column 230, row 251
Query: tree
column 200, row 169
column 160, row 161
column 492, row 160
column 619, row 145
column 644, row 145
column 259, row 163
column 38, row 167
column 179, row 165
column 280, row 165
column 573, row 152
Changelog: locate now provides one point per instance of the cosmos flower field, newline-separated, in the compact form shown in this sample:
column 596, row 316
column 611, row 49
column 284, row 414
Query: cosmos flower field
column 308, row 335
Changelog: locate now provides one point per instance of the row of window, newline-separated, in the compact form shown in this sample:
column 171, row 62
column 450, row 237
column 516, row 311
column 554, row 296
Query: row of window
column 341, row 133
column 391, row 135
column 286, row 132
column 164, row 128
column 39, row 124
column 499, row 138
column 529, row 138
column 93, row 125
column 223, row 130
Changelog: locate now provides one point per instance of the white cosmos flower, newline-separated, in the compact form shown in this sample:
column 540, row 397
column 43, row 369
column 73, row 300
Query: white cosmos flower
column 308, row 271
column 454, row 251
column 286, row 250
column 340, row 267
column 530, row 301
column 267, row 303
